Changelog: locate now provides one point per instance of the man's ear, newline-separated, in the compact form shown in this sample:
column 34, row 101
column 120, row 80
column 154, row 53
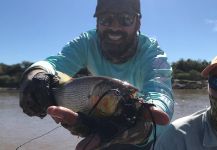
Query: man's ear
column 138, row 24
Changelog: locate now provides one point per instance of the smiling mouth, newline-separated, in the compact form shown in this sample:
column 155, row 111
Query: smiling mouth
column 115, row 37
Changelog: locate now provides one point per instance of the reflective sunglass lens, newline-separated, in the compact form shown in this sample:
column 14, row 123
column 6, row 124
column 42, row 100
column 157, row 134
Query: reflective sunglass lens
column 213, row 82
column 106, row 20
column 126, row 19
column 123, row 19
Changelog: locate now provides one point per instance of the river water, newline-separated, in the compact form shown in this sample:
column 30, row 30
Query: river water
column 17, row 128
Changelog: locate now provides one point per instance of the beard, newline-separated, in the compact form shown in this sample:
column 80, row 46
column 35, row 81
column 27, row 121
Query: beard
column 213, row 112
column 119, row 50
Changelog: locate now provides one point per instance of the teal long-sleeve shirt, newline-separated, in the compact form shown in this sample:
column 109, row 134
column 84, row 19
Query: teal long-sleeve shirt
column 148, row 69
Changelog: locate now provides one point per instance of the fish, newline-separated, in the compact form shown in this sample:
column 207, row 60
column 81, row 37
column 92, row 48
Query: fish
column 110, row 98
column 84, row 93
column 106, row 97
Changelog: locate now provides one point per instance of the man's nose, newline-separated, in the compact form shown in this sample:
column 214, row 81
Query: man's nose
column 115, row 26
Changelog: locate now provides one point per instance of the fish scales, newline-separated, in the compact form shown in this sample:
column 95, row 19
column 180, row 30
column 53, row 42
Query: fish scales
column 75, row 95
column 81, row 94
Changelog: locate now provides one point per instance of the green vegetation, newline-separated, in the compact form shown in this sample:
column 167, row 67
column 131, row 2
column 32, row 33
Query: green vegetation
column 188, row 69
column 10, row 74
column 182, row 70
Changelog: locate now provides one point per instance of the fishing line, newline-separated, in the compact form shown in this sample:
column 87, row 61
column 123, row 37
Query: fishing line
column 37, row 137
column 117, row 92
column 101, row 97
column 29, row 141
column 155, row 127
column 94, row 107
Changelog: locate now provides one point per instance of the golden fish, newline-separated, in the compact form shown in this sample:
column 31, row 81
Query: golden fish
column 84, row 93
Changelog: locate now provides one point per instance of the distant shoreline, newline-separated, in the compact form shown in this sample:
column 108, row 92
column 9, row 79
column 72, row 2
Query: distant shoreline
column 177, row 84
column 188, row 84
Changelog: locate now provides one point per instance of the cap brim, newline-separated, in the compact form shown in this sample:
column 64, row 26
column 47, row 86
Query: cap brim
column 206, row 71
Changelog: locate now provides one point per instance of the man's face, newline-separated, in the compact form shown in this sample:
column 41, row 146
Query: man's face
column 117, row 27
column 213, row 75
column 213, row 96
column 117, row 31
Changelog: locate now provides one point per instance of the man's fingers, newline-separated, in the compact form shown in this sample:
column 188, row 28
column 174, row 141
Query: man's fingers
column 62, row 114
column 159, row 116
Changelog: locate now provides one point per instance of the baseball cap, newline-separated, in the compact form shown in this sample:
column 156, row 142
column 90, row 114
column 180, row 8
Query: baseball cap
column 206, row 71
column 129, row 6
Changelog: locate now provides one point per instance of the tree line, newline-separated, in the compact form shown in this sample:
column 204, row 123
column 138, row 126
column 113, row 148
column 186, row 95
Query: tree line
column 189, row 69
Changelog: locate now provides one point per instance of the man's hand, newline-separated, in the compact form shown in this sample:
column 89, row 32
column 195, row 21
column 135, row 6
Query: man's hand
column 35, row 92
column 63, row 115
column 69, row 118
column 98, row 129
column 157, row 115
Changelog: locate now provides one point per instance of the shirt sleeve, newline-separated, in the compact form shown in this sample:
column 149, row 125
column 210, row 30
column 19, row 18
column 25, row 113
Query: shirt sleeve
column 73, row 56
column 157, row 87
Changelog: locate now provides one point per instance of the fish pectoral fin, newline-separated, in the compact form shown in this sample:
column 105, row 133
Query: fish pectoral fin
column 63, row 78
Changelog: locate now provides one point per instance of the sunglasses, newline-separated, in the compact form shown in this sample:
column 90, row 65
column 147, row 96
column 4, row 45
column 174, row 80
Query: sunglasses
column 213, row 82
column 123, row 19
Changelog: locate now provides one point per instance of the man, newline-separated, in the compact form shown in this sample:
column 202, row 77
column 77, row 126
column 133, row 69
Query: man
column 115, row 49
column 199, row 130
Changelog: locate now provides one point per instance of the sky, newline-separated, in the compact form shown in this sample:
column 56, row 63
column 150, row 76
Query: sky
column 31, row 30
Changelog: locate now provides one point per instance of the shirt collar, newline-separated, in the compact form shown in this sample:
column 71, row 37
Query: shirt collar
column 210, row 135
